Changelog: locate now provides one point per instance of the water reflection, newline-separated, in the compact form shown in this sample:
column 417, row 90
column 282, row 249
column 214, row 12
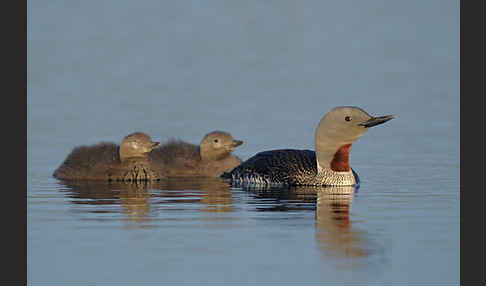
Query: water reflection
column 214, row 194
column 176, row 198
column 283, row 199
column 334, row 231
column 136, row 200
column 335, row 234
column 131, row 197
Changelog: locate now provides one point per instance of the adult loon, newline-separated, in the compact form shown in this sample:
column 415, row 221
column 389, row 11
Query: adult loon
column 327, row 166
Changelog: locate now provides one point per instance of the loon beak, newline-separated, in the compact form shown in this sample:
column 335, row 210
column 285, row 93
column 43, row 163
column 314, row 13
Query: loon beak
column 377, row 120
column 236, row 143
column 155, row 144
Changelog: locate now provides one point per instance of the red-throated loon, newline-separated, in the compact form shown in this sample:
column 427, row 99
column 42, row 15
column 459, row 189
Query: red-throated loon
column 327, row 166
column 210, row 159
column 108, row 161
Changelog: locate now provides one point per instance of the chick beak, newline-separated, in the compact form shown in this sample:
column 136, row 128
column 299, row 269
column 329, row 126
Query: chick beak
column 155, row 145
column 236, row 143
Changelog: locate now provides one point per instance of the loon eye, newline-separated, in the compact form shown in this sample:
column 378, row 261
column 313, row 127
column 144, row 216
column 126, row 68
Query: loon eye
column 347, row 118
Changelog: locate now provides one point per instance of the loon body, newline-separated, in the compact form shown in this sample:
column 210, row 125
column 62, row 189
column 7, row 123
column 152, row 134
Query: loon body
column 327, row 166
column 110, row 162
column 285, row 167
column 211, row 158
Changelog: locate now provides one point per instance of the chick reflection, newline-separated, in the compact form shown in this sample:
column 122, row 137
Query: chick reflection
column 132, row 197
column 335, row 234
column 215, row 193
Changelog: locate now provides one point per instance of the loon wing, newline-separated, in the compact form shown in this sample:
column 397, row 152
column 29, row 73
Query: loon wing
column 283, row 166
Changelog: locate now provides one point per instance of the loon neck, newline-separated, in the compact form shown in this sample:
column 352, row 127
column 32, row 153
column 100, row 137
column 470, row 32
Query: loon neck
column 207, row 154
column 334, row 157
column 128, row 155
column 340, row 160
column 333, row 164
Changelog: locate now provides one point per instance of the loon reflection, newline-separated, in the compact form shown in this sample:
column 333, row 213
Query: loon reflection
column 147, row 203
column 132, row 197
column 334, row 232
column 214, row 193
column 139, row 199
column 335, row 235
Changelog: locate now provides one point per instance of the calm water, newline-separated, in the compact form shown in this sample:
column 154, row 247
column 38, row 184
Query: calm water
column 265, row 71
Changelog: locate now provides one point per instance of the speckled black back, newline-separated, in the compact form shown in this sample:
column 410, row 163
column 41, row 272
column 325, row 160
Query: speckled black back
column 285, row 166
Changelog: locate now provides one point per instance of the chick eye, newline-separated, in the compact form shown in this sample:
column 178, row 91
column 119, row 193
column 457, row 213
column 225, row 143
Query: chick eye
column 347, row 118
column 216, row 140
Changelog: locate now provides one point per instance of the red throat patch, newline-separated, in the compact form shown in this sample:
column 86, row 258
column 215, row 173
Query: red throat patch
column 340, row 162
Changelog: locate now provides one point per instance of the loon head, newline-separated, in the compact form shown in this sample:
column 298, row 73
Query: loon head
column 136, row 145
column 338, row 130
column 217, row 145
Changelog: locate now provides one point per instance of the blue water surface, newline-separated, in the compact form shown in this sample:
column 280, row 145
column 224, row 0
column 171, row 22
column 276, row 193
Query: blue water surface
column 265, row 71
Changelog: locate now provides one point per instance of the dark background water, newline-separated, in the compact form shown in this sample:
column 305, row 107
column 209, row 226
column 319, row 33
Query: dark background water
column 265, row 71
